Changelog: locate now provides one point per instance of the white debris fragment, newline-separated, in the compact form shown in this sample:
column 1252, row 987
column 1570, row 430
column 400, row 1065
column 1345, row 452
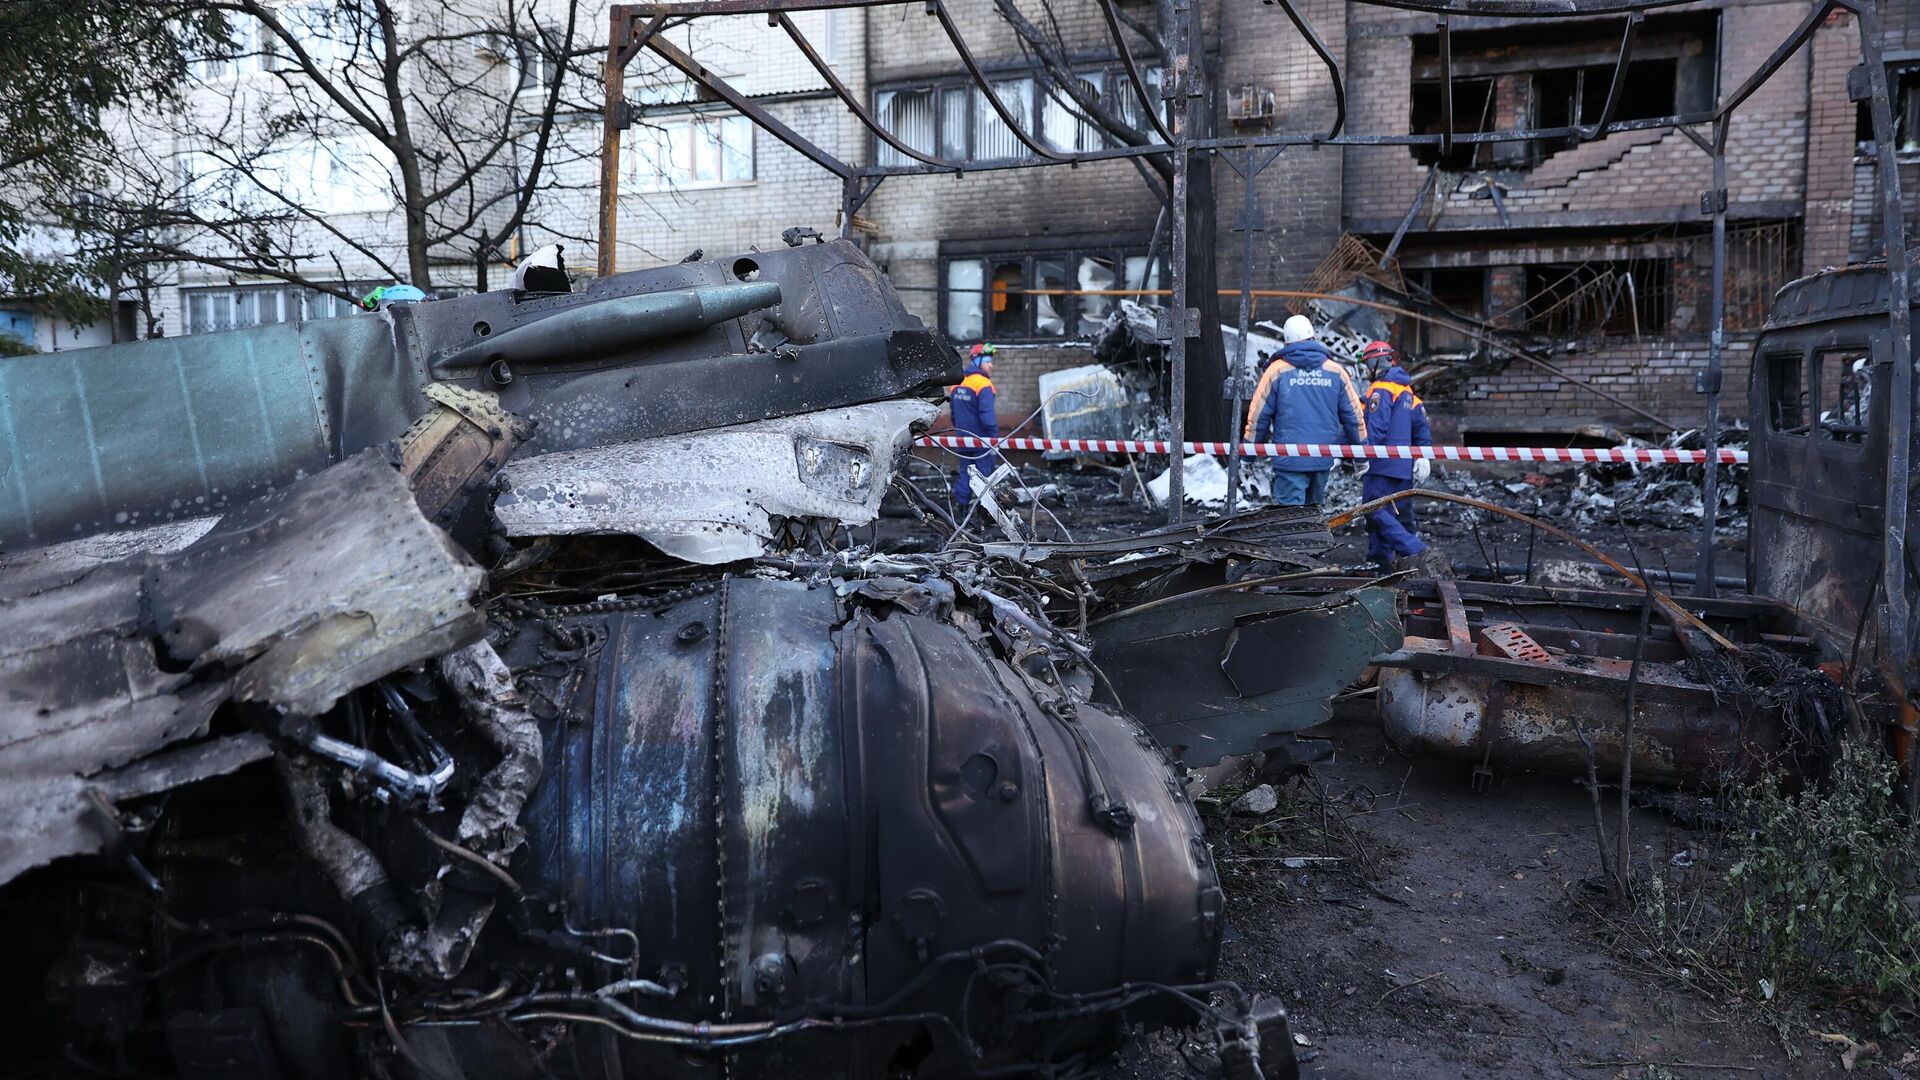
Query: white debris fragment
column 1206, row 481
column 1260, row 800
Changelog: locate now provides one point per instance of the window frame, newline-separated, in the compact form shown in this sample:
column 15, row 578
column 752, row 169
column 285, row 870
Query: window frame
column 284, row 294
column 1658, row 324
column 631, row 180
column 1807, row 405
column 1817, row 395
column 1115, row 89
column 1069, row 308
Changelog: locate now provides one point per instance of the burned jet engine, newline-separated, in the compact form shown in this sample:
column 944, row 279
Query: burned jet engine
column 294, row 785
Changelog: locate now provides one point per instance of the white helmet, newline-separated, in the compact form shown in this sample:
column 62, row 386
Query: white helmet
column 1296, row 328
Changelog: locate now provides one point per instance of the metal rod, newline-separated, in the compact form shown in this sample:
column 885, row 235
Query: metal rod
column 1413, row 211
column 853, row 103
column 1446, row 96
column 1710, row 476
column 749, row 108
column 1320, row 49
column 980, row 80
column 1147, row 104
column 1778, row 57
column 1249, row 207
column 1619, row 83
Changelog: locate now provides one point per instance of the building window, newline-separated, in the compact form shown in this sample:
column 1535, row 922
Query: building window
column 329, row 33
column 232, row 308
column 537, row 69
column 832, row 23
column 696, row 151
column 1903, row 85
column 1614, row 298
column 17, row 323
column 1040, row 296
column 1845, row 389
column 342, row 174
column 953, row 119
column 1508, row 79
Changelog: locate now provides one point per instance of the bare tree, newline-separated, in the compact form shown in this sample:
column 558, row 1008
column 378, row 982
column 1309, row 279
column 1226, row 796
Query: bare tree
column 1049, row 56
column 322, row 135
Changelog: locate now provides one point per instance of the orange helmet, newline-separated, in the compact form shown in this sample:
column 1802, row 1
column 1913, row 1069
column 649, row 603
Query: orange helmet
column 1376, row 350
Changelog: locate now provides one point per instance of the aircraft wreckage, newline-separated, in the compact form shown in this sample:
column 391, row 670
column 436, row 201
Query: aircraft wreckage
column 466, row 690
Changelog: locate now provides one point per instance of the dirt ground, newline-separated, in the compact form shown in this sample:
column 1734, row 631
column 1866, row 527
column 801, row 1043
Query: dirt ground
column 1476, row 951
column 1471, row 946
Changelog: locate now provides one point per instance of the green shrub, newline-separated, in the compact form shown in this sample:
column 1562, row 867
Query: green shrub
column 1811, row 906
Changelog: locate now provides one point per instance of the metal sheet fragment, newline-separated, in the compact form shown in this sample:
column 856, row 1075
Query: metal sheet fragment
column 713, row 497
column 289, row 601
column 1220, row 673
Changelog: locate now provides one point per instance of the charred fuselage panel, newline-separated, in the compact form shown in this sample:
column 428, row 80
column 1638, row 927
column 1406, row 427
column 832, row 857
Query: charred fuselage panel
column 129, row 435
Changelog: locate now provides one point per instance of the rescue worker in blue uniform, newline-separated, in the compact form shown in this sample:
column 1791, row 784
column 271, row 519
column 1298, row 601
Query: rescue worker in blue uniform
column 1395, row 417
column 1305, row 396
column 972, row 405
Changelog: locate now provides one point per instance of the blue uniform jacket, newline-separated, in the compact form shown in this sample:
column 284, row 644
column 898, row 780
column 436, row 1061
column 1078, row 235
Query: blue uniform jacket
column 1305, row 396
column 973, row 405
column 1396, row 417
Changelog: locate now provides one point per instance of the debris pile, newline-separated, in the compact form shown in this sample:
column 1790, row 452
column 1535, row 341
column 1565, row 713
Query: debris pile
column 504, row 716
column 1613, row 496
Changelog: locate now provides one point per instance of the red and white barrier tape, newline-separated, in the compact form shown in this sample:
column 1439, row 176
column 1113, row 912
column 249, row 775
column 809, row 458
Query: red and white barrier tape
column 1543, row 454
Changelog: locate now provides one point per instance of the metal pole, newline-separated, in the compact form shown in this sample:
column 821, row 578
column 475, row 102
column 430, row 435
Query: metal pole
column 1900, row 429
column 612, row 120
column 1249, row 209
column 1177, row 318
column 1714, row 201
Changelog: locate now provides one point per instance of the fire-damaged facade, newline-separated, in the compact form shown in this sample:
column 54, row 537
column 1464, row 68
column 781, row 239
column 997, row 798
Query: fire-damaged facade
column 1593, row 255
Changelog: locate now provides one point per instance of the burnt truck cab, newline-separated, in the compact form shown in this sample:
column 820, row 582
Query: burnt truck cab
column 1818, row 401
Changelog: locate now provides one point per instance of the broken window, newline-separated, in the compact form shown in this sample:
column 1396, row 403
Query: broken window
column 1569, row 97
column 1787, row 393
column 965, row 310
column 1093, row 276
column 1508, row 79
column 1845, row 389
column 1041, row 296
column 908, row 115
column 1903, row 86
column 959, row 119
column 1624, row 297
column 1458, row 290
column 1472, row 112
column 1050, row 299
column 1007, row 301
column 993, row 140
column 1063, row 123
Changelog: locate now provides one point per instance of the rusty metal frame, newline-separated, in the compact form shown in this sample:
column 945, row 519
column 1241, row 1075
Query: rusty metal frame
column 634, row 28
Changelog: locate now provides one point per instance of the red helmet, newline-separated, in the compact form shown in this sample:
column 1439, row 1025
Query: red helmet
column 1376, row 350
